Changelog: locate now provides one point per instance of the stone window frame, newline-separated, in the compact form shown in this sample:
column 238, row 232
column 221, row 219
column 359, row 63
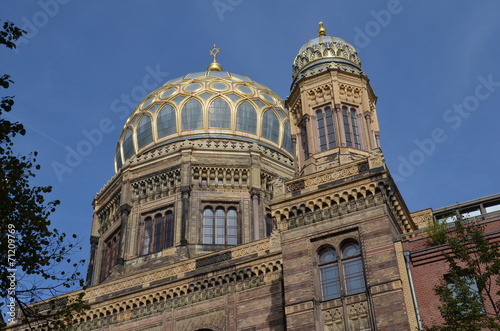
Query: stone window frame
column 351, row 126
column 166, row 240
column 337, row 242
column 226, row 206
column 330, row 136
column 110, row 253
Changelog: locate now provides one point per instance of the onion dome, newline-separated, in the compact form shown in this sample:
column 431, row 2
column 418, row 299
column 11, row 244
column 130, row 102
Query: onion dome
column 322, row 53
column 210, row 104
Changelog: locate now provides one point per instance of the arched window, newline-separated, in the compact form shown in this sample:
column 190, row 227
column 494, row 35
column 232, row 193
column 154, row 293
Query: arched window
column 147, row 237
column 352, row 264
column 220, row 227
column 192, row 115
column 270, row 126
column 118, row 157
column 128, row 144
column 144, row 132
column 219, row 114
column 158, row 233
column 166, row 121
column 326, row 132
column 341, row 275
column 111, row 254
column 351, row 130
column 208, row 226
column 269, row 225
column 329, row 274
column 169, row 225
column 287, row 138
column 246, row 118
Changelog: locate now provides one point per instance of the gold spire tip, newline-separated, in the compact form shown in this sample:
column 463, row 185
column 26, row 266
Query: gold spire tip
column 214, row 66
column 321, row 30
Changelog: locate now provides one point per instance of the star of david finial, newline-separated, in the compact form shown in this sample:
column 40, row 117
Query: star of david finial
column 214, row 66
column 214, row 52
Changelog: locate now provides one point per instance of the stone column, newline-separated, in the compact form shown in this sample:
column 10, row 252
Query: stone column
column 185, row 193
column 124, row 213
column 255, row 194
column 94, row 240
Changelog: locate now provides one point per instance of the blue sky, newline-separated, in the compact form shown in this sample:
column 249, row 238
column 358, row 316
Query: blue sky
column 433, row 65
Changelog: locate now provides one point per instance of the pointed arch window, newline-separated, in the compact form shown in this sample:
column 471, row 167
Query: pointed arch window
column 220, row 226
column 166, row 121
column 219, row 114
column 287, row 138
column 326, row 128
column 144, row 132
column 270, row 126
column 246, row 118
column 192, row 115
column 128, row 144
column 351, row 129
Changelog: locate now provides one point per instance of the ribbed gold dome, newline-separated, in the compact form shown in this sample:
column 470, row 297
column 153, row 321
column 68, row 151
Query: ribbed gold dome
column 209, row 104
column 325, row 51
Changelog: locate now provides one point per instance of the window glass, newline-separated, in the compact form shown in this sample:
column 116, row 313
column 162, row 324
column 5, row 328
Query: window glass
column 158, row 233
column 219, row 114
column 208, row 224
column 118, row 157
column 329, row 274
column 353, row 269
column 492, row 207
column 354, row 124
column 270, row 126
column 169, row 225
column 148, row 233
column 232, row 227
column 144, row 132
column 192, row 116
column 287, row 138
column 220, row 226
column 166, row 121
column 246, row 118
column 128, row 144
column 347, row 128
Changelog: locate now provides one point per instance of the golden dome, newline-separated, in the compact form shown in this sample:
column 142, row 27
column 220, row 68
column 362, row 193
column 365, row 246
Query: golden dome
column 326, row 52
column 209, row 104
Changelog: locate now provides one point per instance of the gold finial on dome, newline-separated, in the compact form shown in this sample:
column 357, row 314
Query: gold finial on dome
column 321, row 30
column 214, row 66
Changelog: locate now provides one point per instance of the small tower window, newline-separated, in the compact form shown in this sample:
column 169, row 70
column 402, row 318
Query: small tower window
column 351, row 130
column 326, row 131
